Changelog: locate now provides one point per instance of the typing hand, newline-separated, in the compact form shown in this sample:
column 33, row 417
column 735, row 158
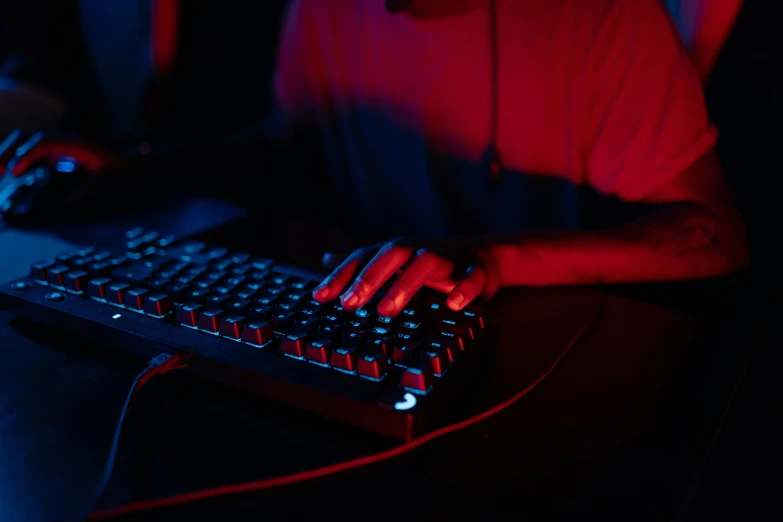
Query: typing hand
column 19, row 153
column 462, row 271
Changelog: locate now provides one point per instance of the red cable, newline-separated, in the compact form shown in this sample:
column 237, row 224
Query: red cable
column 332, row 469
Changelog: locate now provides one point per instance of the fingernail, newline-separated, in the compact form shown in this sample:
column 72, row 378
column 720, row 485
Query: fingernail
column 386, row 308
column 455, row 301
column 350, row 300
column 320, row 292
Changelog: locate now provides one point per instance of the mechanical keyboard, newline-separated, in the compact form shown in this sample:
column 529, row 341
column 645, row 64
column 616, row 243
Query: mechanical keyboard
column 252, row 324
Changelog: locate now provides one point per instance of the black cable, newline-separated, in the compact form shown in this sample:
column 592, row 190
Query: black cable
column 158, row 366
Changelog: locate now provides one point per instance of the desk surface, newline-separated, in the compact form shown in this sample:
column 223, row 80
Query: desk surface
column 617, row 431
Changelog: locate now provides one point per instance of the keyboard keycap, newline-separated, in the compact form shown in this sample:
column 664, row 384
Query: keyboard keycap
column 319, row 351
column 261, row 263
column 65, row 258
column 281, row 322
column 188, row 314
column 216, row 300
column 82, row 262
column 197, row 295
column 402, row 353
column 260, row 313
column 294, row 344
column 116, row 292
column 345, row 358
column 237, row 305
column 438, row 342
column 306, row 324
column 100, row 267
column 97, row 287
column 158, row 304
column 239, row 258
column 134, row 298
column 257, row 333
column 439, row 359
column 382, row 343
column 209, row 320
column 56, row 274
column 38, row 271
column 176, row 291
column 372, row 365
column 418, row 378
column 75, row 280
column 231, row 326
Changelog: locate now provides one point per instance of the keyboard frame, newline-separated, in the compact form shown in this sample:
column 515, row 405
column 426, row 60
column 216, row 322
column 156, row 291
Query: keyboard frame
column 297, row 383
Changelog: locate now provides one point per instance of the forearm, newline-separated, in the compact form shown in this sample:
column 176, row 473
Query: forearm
column 677, row 243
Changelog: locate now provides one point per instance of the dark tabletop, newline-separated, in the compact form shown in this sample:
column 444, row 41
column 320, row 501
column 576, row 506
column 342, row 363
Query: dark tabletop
column 621, row 429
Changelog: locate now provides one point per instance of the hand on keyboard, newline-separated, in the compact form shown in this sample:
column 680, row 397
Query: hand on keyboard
column 463, row 271
column 19, row 153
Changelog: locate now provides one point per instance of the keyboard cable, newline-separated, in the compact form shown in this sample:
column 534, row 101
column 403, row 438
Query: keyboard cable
column 332, row 469
column 163, row 363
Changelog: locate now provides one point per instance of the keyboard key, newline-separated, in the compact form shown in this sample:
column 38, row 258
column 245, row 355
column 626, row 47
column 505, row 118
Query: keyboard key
column 261, row 263
column 319, row 351
column 259, row 276
column 82, row 262
column 293, row 344
column 216, row 300
column 134, row 298
column 223, row 264
column 301, row 284
column 344, row 358
column 158, row 304
column 310, row 311
column 245, row 293
column 116, row 292
column 286, row 307
column 237, row 305
column 86, row 251
column 231, row 326
column 223, row 288
column 134, row 233
column 176, row 291
column 239, row 258
column 158, row 285
column 330, row 331
column 356, row 325
column 257, row 333
column 460, row 341
column 278, row 278
column 437, row 343
column 75, row 280
column 418, row 378
column 136, row 274
column 449, row 324
column 299, row 295
column 100, row 267
column 306, row 324
column 97, row 287
column 439, row 359
column 281, row 322
column 239, row 269
column 188, row 314
column 65, row 257
column 38, row 271
column 372, row 365
column 260, row 313
column 382, row 343
column 56, row 274
column 102, row 256
column 402, row 354
column 355, row 338
column 235, row 279
column 473, row 320
column 167, row 241
column 266, row 300
column 209, row 320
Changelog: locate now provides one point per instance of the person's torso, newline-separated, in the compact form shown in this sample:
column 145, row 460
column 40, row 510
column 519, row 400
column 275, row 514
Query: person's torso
column 405, row 108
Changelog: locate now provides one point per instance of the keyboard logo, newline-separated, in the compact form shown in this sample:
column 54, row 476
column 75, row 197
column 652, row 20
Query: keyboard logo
column 407, row 404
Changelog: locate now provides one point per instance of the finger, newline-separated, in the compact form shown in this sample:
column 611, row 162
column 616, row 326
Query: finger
column 385, row 263
column 26, row 154
column 339, row 278
column 8, row 148
column 426, row 266
column 445, row 286
column 89, row 159
column 468, row 288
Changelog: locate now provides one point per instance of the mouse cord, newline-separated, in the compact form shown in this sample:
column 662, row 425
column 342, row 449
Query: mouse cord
column 161, row 364
column 159, row 503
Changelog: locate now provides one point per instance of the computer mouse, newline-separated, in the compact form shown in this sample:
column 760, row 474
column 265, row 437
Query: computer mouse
column 42, row 192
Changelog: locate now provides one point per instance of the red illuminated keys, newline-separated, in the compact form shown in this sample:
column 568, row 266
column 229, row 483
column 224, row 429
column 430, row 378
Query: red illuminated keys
column 134, row 298
column 345, row 358
column 75, row 281
column 158, row 304
column 439, row 359
column 257, row 333
column 97, row 287
column 116, row 293
column 372, row 365
column 209, row 320
column 294, row 344
column 188, row 313
column 231, row 326
column 319, row 351
column 38, row 270
column 56, row 275
column 418, row 378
